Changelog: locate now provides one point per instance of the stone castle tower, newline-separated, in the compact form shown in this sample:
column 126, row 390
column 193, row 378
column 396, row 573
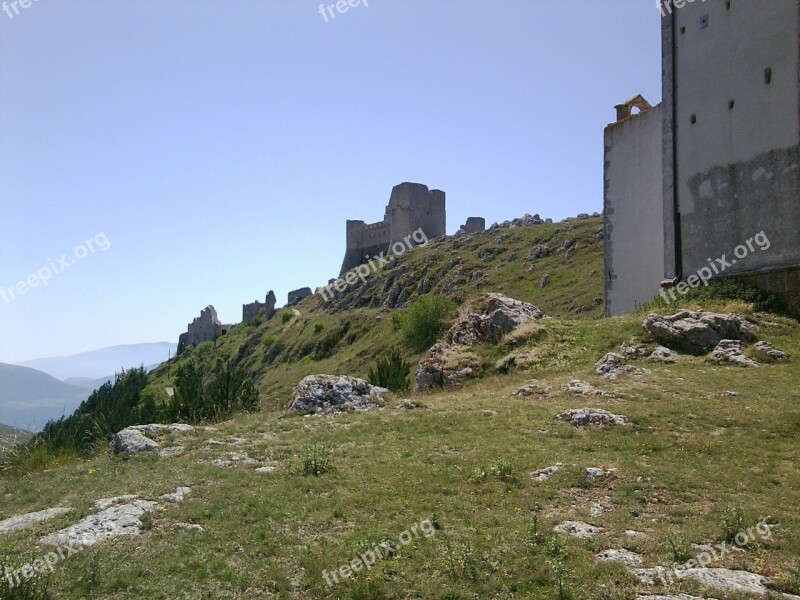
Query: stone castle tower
column 411, row 206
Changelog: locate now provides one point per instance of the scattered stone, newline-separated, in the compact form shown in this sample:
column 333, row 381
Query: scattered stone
column 578, row 529
column 190, row 527
column 539, row 252
column 662, row 354
column 636, row 534
column 121, row 518
column 131, row 441
column 156, row 428
column 581, row 417
column 730, row 393
column 771, row 351
column 578, row 387
column 212, row 443
column 621, row 555
column 632, row 351
column 171, row 451
column 731, row 351
column 593, row 473
column 544, row 280
column 547, row 472
column 678, row 597
column 406, row 404
column 177, row 496
column 27, row 520
column 698, row 331
column 613, row 366
column 532, row 389
column 331, row 394
column 233, row 458
column 264, row 470
column 489, row 413
column 596, row 510
column 104, row 503
column 742, row 582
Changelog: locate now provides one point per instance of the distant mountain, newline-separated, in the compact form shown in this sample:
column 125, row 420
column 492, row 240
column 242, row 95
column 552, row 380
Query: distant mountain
column 11, row 436
column 88, row 383
column 100, row 363
column 30, row 398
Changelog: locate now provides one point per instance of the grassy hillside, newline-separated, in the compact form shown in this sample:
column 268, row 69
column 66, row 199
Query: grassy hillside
column 711, row 451
column 347, row 334
column 11, row 436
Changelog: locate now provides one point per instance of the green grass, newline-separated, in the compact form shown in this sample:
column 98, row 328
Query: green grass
column 692, row 461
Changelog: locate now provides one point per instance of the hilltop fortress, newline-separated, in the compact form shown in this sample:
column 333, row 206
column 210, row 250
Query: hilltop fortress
column 411, row 206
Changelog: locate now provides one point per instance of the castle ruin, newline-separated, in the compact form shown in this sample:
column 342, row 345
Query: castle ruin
column 249, row 311
column 205, row 328
column 411, row 206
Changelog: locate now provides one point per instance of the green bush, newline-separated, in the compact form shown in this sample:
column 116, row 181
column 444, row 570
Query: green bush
column 316, row 460
column 391, row 372
column 425, row 319
column 720, row 290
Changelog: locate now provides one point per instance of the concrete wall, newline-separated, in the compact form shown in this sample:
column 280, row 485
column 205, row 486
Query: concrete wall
column 737, row 137
column 633, row 209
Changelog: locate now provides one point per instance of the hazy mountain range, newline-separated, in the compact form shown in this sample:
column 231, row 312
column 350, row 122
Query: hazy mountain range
column 36, row 391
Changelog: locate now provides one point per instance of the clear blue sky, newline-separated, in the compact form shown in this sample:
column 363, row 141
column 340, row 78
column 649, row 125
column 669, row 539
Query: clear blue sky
column 220, row 146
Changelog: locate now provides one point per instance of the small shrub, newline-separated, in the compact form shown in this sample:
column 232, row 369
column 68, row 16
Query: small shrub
column 504, row 470
column 678, row 548
column 318, row 327
column 286, row 317
column 722, row 290
column 557, row 558
column 316, row 460
column 733, row 522
column 427, row 317
column 267, row 340
column 391, row 372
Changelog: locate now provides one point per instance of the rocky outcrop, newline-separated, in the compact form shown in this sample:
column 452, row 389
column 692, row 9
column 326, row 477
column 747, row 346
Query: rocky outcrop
column 547, row 472
column 731, row 351
column 613, row 366
column 581, row 417
column 30, row 519
column 771, row 351
column 131, row 441
column 333, row 394
column 578, row 529
column 486, row 319
column 697, row 331
column 621, row 555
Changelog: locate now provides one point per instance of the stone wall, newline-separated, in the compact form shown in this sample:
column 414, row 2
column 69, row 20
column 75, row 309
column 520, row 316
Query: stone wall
column 296, row 296
column 205, row 328
column 249, row 311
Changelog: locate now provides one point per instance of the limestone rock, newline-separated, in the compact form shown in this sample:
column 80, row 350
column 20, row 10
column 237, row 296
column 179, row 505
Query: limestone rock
column 621, row 555
column 24, row 521
column 331, row 394
column 593, row 473
column 581, row 417
column 698, row 331
column 771, row 351
column 581, row 388
column 662, row 354
column 613, row 366
column 547, row 472
column 190, row 527
column 154, row 429
column 121, row 518
column 177, row 496
column 578, row 529
column 131, row 441
column 731, row 351
column 632, row 351
column 534, row 388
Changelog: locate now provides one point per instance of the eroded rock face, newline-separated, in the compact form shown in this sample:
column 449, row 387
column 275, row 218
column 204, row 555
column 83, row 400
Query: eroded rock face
column 731, row 351
column 581, row 417
column 698, row 331
column 581, row 388
column 487, row 319
column 662, row 354
column 332, row 394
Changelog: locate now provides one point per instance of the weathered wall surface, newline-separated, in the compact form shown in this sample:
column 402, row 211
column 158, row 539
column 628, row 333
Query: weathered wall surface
column 737, row 131
column 634, row 220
